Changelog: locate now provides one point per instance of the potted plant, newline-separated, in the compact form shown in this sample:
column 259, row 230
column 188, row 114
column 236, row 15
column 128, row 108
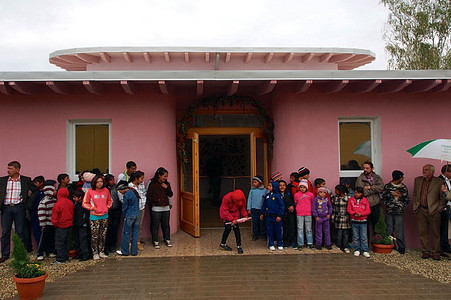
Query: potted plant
column 29, row 277
column 381, row 242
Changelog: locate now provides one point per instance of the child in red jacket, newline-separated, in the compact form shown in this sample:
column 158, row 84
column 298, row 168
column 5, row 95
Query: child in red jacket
column 233, row 207
column 358, row 210
column 62, row 219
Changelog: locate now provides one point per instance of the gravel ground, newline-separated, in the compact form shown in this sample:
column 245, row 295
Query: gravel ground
column 8, row 286
column 412, row 262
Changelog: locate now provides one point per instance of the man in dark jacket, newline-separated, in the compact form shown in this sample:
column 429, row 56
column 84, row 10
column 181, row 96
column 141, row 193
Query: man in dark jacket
column 16, row 201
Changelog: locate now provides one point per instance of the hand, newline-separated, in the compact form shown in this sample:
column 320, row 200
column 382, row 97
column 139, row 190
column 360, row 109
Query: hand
column 397, row 194
column 164, row 185
column 328, row 216
column 234, row 222
column 444, row 188
column 358, row 215
column 249, row 212
column 170, row 206
column 367, row 187
column 317, row 219
column 291, row 209
column 278, row 219
column 261, row 217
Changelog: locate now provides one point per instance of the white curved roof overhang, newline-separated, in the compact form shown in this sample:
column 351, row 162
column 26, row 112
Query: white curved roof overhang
column 260, row 82
column 79, row 59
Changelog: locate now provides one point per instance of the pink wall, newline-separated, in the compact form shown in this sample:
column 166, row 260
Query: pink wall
column 306, row 134
column 143, row 130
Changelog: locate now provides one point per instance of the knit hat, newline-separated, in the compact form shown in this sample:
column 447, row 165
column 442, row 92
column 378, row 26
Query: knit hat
column 303, row 171
column 276, row 176
column 48, row 190
column 258, row 178
column 122, row 185
column 396, row 174
column 322, row 189
column 49, row 182
column 303, row 183
column 88, row 176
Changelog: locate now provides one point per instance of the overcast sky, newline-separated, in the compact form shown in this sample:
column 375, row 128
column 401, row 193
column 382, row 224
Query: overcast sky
column 31, row 29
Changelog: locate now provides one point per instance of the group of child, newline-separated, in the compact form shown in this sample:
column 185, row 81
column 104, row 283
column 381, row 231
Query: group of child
column 286, row 213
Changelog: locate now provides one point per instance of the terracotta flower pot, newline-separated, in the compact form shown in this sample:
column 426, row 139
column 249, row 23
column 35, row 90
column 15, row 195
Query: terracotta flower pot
column 30, row 288
column 378, row 248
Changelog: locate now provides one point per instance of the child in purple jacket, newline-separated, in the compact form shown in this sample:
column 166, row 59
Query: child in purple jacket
column 321, row 211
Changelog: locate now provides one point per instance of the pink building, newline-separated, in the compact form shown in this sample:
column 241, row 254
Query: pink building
column 112, row 105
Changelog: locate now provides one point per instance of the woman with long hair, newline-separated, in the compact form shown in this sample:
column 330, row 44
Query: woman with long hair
column 98, row 200
column 159, row 194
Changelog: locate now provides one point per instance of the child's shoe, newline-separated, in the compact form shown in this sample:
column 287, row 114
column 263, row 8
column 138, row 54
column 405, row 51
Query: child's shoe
column 272, row 248
column 52, row 255
column 96, row 257
column 366, row 254
column 328, row 247
column 225, row 247
column 280, row 248
column 318, row 247
column 156, row 245
column 347, row 250
column 240, row 250
column 300, row 247
column 57, row 262
column 294, row 246
column 40, row 258
column 356, row 253
column 310, row 246
column 140, row 246
column 168, row 243
column 102, row 255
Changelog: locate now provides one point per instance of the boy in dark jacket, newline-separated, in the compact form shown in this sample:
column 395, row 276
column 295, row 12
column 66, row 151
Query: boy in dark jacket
column 289, row 216
column 396, row 197
column 62, row 219
column 81, row 227
column 273, row 208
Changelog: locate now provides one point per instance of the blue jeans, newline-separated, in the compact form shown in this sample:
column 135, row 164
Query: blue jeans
column 395, row 223
column 130, row 224
column 307, row 220
column 360, row 237
column 258, row 226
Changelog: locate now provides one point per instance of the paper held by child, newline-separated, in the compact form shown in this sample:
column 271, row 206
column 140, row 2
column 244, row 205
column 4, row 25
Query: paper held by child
column 241, row 220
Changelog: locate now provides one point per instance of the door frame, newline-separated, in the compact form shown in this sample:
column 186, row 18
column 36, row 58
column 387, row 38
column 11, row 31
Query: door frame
column 192, row 200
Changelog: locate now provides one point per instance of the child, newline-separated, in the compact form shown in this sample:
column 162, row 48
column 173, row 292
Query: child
column 293, row 186
column 396, row 197
column 273, row 209
column 81, row 227
column 303, row 200
column 132, row 214
column 62, row 219
column 340, row 217
column 254, row 206
column 320, row 182
column 304, row 173
column 38, row 181
column 233, row 207
column 288, row 219
column 358, row 210
column 47, row 241
column 114, row 215
column 321, row 210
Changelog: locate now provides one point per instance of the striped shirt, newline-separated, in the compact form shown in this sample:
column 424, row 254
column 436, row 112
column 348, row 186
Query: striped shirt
column 13, row 191
column 45, row 210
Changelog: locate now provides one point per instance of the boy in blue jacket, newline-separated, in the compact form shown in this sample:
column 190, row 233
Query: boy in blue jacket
column 273, row 209
column 254, row 206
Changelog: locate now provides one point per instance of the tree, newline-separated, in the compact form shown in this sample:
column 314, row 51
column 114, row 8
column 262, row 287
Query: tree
column 418, row 34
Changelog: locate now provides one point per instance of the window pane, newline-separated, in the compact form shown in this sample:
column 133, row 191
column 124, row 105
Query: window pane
column 355, row 144
column 92, row 147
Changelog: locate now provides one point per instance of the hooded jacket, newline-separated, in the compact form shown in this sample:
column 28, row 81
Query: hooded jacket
column 303, row 203
column 233, row 206
column 361, row 206
column 63, row 210
column 273, row 205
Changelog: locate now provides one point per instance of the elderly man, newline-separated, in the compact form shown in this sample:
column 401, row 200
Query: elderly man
column 372, row 185
column 16, row 195
column 428, row 203
column 444, row 224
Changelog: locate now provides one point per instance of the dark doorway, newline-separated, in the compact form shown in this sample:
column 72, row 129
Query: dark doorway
column 224, row 165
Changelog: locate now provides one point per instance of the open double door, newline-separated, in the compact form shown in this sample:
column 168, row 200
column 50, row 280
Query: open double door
column 189, row 172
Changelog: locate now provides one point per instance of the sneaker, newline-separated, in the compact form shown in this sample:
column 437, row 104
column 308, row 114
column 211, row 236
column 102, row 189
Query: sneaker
column 328, row 247
column 294, row 246
column 52, row 255
column 96, row 257
column 140, row 246
column 118, row 252
column 102, row 255
column 40, row 258
column 366, row 254
column 356, row 253
column 272, row 248
column 240, row 250
column 311, row 247
column 280, row 248
column 225, row 247
column 156, row 245
column 300, row 247
column 57, row 262
column 347, row 250
column 318, row 247
column 168, row 243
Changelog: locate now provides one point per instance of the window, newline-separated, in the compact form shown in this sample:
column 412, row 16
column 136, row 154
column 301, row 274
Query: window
column 88, row 146
column 359, row 141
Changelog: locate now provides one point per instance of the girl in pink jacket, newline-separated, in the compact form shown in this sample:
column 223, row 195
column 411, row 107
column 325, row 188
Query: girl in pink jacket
column 358, row 210
column 303, row 200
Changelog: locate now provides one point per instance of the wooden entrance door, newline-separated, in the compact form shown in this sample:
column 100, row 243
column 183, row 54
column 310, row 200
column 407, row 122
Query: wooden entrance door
column 189, row 190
